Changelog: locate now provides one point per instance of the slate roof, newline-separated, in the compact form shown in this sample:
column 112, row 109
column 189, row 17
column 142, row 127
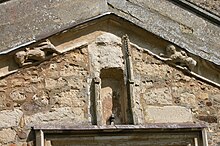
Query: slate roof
column 211, row 5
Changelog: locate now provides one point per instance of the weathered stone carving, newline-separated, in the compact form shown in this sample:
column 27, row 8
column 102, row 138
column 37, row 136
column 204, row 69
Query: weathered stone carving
column 179, row 57
column 112, row 119
column 130, row 80
column 126, row 45
column 35, row 54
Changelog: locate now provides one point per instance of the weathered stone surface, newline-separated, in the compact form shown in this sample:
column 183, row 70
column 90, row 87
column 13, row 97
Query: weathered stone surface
column 60, row 90
column 158, row 96
column 162, row 72
column 216, row 98
column 22, row 134
column 187, row 99
column 18, row 96
column 7, row 135
column 40, row 101
column 165, row 19
column 108, row 39
column 209, row 119
column 29, row 19
column 212, row 5
column 17, row 82
column 106, row 53
column 20, row 144
column 54, row 84
column 71, row 98
column 2, row 99
column 167, row 114
column 3, row 83
column 10, row 118
column 65, row 115
column 203, row 96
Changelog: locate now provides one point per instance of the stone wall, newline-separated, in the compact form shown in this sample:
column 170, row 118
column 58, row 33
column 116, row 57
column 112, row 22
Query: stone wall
column 53, row 92
column 59, row 91
column 167, row 95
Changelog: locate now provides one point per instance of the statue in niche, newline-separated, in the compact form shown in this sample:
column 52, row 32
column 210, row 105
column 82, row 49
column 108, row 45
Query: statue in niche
column 34, row 54
column 117, row 115
column 112, row 119
column 179, row 57
column 112, row 107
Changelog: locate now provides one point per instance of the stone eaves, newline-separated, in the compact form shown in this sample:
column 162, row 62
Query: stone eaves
column 28, row 21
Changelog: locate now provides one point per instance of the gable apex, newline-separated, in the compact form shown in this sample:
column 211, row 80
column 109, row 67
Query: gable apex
column 187, row 31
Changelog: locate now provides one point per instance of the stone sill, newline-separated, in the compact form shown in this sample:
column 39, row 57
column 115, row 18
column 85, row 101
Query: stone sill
column 63, row 133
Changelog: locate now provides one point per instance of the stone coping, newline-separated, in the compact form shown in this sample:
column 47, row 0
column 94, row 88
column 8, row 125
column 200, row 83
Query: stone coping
column 62, row 29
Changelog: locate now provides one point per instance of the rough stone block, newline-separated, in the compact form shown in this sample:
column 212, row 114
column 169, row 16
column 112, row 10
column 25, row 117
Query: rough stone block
column 18, row 96
column 10, row 118
column 167, row 114
column 158, row 96
column 71, row 98
column 216, row 98
column 54, row 84
column 188, row 99
column 209, row 119
column 106, row 52
column 3, row 83
column 7, row 135
column 65, row 115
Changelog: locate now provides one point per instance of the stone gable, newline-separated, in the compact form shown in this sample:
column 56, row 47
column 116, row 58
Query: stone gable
column 85, row 82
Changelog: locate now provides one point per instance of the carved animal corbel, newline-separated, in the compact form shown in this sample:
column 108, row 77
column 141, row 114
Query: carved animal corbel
column 20, row 58
column 34, row 54
column 178, row 57
column 47, row 47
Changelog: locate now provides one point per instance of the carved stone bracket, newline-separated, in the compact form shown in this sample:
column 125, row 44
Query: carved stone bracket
column 30, row 55
column 179, row 58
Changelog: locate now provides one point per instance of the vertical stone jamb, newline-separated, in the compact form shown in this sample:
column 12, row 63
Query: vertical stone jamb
column 39, row 138
column 129, row 80
column 204, row 137
column 196, row 142
column 98, row 102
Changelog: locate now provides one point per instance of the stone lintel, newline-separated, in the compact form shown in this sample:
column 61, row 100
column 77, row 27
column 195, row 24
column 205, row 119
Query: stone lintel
column 112, row 128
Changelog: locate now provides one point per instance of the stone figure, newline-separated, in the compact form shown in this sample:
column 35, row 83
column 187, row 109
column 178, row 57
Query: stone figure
column 179, row 57
column 112, row 119
column 35, row 54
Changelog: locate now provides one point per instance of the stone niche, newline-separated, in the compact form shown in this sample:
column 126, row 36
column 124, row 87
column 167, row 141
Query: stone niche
column 114, row 97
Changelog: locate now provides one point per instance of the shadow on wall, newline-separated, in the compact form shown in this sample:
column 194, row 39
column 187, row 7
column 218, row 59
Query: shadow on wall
column 7, row 65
